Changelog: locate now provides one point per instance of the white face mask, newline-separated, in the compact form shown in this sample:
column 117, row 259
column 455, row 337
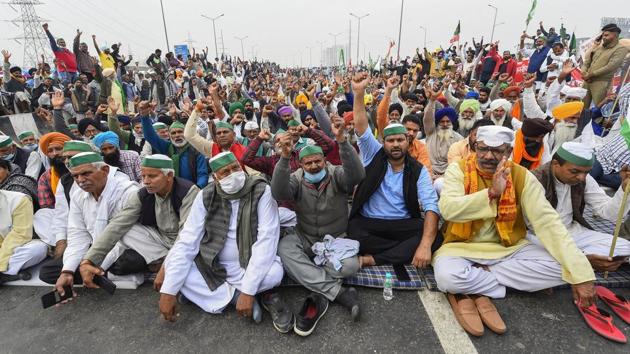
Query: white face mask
column 233, row 183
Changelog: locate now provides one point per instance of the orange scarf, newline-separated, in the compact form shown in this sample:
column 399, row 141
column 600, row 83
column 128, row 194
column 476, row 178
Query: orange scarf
column 519, row 152
column 516, row 110
column 506, row 210
column 54, row 180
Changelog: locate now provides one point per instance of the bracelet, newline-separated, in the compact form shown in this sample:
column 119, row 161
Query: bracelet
column 67, row 272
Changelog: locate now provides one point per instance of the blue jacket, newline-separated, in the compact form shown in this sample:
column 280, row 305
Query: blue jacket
column 163, row 146
column 536, row 60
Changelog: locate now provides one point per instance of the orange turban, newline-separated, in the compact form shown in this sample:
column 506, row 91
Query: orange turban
column 511, row 89
column 348, row 118
column 52, row 138
column 567, row 110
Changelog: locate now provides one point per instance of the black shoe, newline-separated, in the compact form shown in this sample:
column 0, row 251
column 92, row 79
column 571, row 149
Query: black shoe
column 5, row 278
column 349, row 298
column 182, row 300
column 281, row 315
column 314, row 308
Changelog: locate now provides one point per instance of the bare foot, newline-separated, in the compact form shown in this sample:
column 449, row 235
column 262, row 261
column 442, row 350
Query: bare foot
column 366, row 261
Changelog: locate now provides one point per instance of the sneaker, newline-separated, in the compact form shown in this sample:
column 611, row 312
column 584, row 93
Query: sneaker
column 281, row 315
column 314, row 308
column 349, row 298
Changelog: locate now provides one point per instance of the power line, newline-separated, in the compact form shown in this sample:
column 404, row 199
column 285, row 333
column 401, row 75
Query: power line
column 35, row 41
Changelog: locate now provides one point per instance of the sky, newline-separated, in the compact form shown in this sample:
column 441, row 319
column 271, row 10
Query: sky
column 288, row 31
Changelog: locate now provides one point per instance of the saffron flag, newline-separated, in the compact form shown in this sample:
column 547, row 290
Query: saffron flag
column 456, row 34
column 530, row 15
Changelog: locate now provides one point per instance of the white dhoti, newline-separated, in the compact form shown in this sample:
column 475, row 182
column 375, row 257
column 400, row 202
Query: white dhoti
column 593, row 242
column 531, row 268
column 196, row 290
column 42, row 225
column 146, row 241
column 26, row 256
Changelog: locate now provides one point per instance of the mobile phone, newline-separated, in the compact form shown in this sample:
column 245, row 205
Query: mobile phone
column 401, row 272
column 105, row 284
column 620, row 258
column 52, row 298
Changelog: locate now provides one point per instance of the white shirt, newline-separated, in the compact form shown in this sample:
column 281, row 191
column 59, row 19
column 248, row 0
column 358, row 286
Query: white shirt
column 88, row 217
column 601, row 204
column 248, row 280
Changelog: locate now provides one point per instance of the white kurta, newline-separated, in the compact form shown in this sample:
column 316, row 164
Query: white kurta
column 87, row 218
column 589, row 241
column 263, row 272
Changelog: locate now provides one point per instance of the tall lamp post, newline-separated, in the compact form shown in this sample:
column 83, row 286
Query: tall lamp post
column 165, row 32
column 425, row 35
column 402, row 5
column 358, row 32
column 214, row 30
column 242, row 50
column 494, row 23
column 321, row 53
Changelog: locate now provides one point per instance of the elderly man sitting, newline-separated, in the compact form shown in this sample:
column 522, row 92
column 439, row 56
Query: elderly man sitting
column 500, row 114
column 226, row 250
column 485, row 201
column 569, row 188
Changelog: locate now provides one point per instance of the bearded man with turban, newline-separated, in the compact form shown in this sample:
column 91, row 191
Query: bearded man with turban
column 529, row 150
column 438, row 127
column 51, row 144
column 127, row 161
column 500, row 113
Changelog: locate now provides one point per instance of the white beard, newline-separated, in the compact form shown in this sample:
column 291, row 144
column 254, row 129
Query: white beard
column 498, row 121
column 465, row 125
column 179, row 144
column 444, row 134
column 563, row 133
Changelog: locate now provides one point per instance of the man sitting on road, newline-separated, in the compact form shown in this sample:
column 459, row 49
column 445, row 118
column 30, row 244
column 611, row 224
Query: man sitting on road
column 226, row 250
column 569, row 188
column 485, row 201
column 320, row 191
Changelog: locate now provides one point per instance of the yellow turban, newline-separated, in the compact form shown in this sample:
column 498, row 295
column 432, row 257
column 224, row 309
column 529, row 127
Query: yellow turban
column 567, row 110
column 301, row 98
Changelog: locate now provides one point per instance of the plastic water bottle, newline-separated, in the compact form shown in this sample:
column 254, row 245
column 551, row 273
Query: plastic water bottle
column 388, row 293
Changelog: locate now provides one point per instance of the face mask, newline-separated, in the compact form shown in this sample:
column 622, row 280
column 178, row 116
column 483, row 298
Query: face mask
column 315, row 177
column 8, row 157
column 30, row 147
column 233, row 183
column 532, row 147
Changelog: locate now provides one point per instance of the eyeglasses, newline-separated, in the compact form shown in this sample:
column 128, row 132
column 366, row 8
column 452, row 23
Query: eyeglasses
column 496, row 152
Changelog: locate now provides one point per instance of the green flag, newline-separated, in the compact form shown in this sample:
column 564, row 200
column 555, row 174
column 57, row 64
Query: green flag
column 573, row 45
column 530, row 15
column 625, row 131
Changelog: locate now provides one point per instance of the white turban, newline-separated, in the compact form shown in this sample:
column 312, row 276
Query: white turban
column 251, row 125
column 501, row 102
column 576, row 92
column 495, row 135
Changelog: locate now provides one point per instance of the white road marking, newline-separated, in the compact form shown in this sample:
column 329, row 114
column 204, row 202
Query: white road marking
column 453, row 338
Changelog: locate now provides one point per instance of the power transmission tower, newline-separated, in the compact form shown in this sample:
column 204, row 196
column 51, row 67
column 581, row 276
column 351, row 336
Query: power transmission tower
column 34, row 39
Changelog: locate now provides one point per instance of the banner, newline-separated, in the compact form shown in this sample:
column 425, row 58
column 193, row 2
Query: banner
column 16, row 123
column 183, row 50
column 521, row 70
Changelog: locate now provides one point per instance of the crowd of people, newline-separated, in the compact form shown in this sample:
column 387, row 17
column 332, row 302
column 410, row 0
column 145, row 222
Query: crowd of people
column 224, row 176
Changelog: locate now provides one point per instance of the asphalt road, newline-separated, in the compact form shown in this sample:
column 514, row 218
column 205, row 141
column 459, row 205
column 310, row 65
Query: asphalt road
column 128, row 322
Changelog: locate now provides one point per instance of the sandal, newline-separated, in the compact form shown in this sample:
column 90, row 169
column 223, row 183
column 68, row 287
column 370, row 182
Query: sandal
column 617, row 303
column 601, row 322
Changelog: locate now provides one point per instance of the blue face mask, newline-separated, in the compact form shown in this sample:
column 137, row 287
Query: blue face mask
column 315, row 177
column 30, row 147
column 8, row 157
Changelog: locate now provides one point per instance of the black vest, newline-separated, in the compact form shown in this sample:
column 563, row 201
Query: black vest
column 67, row 181
column 545, row 177
column 179, row 191
column 374, row 175
column 21, row 158
column 131, row 144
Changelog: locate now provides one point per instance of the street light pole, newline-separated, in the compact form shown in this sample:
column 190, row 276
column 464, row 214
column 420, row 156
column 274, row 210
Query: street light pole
column 358, row 32
column 321, row 53
column 165, row 32
column 402, row 4
column 214, row 30
column 334, row 35
column 494, row 23
column 425, row 35
column 242, row 50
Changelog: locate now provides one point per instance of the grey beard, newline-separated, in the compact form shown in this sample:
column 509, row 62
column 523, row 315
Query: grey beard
column 179, row 144
column 498, row 120
column 562, row 134
column 444, row 134
column 465, row 125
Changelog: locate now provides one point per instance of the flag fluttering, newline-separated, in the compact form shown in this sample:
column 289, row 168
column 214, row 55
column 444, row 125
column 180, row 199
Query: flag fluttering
column 530, row 15
column 456, row 34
